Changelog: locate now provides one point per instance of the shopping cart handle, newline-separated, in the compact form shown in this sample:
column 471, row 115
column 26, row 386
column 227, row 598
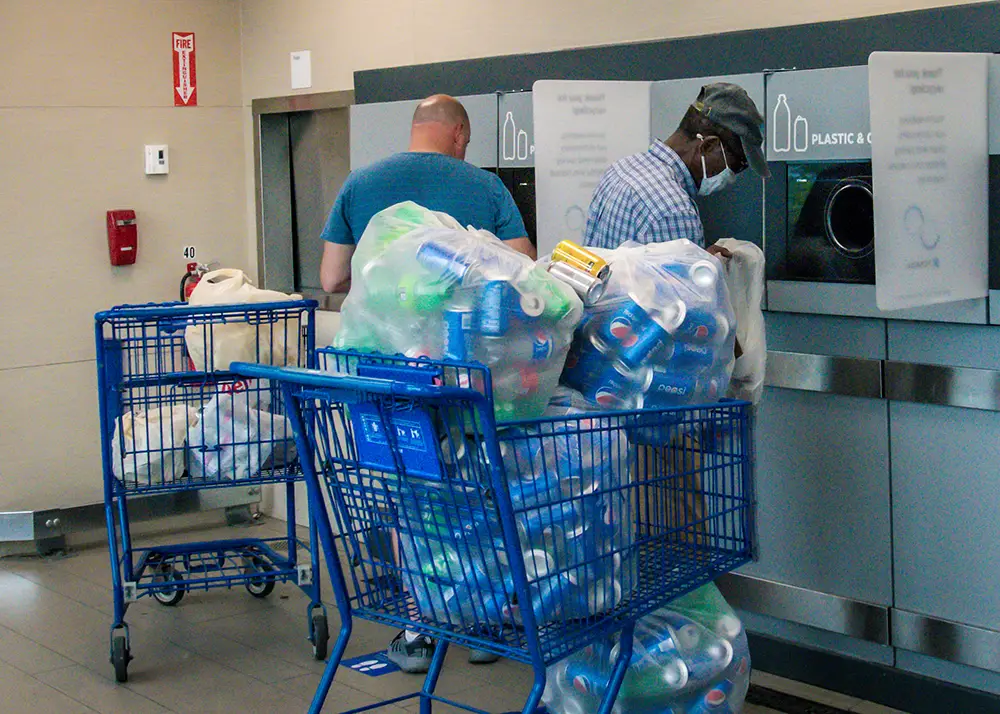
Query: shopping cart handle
column 326, row 380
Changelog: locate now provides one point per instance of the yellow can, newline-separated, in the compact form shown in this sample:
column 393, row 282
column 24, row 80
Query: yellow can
column 579, row 257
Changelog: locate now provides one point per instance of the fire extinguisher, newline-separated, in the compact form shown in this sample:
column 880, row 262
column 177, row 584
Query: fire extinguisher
column 190, row 279
column 188, row 283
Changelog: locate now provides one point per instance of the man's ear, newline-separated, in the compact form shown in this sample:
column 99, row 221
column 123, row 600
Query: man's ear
column 708, row 145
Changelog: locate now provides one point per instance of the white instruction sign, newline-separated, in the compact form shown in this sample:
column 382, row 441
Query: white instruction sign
column 929, row 169
column 581, row 127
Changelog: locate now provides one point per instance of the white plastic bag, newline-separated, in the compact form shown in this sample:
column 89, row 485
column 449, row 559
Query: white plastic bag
column 148, row 446
column 214, row 346
column 233, row 439
column 745, row 278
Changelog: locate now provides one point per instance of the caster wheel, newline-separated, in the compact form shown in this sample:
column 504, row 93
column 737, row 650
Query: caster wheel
column 321, row 636
column 174, row 595
column 260, row 587
column 120, row 657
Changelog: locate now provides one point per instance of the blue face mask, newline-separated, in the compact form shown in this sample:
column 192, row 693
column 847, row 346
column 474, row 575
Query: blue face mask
column 722, row 180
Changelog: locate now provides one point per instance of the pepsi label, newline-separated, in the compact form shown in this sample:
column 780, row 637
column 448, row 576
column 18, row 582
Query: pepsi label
column 621, row 329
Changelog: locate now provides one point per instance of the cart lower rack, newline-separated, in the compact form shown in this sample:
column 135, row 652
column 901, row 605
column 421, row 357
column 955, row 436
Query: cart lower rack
column 174, row 418
column 529, row 541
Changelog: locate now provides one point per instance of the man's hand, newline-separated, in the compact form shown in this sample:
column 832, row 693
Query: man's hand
column 523, row 245
column 719, row 252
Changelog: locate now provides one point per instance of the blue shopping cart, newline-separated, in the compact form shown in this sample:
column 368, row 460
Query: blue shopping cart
column 174, row 418
column 531, row 539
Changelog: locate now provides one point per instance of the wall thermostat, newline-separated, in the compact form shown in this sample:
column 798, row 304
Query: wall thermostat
column 156, row 159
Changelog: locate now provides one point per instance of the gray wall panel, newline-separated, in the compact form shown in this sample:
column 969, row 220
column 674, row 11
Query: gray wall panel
column 823, row 494
column 380, row 130
column 517, row 136
column 946, row 500
column 859, row 301
column 818, row 115
column 961, row 675
column 825, row 335
column 953, row 345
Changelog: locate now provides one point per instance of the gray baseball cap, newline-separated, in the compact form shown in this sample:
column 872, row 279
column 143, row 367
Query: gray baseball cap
column 729, row 106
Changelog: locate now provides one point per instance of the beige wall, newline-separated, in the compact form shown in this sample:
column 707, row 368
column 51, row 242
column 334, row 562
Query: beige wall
column 85, row 86
column 348, row 35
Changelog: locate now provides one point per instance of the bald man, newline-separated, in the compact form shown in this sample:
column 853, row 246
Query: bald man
column 433, row 173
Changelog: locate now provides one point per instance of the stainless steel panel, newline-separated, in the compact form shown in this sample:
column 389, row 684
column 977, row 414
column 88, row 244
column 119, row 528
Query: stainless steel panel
column 816, row 638
column 275, row 233
column 849, row 376
column 844, row 616
column 951, row 641
column 994, row 100
column 823, row 509
column 859, row 301
column 303, row 102
column 948, row 386
column 320, row 160
column 17, row 525
column 34, row 525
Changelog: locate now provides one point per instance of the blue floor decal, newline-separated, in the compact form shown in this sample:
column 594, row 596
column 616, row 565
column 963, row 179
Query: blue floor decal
column 374, row 665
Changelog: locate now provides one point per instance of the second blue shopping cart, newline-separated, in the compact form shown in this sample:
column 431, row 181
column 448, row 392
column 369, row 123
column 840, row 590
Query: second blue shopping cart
column 528, row 539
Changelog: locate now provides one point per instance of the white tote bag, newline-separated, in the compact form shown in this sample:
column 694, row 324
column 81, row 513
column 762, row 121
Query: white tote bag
column 212, row 347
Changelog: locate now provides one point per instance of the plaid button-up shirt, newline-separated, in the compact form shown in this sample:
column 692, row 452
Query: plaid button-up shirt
column 647, row 198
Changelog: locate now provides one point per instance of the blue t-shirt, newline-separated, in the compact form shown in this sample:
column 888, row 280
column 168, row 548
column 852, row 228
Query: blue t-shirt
column 473, row 197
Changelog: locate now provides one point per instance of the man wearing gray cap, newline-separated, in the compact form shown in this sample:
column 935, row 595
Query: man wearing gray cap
column 650, row 197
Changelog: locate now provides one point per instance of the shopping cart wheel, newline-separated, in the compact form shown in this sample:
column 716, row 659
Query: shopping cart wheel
column 320, row 635
column 260, row 586
column 174, row 595
column 120, row 657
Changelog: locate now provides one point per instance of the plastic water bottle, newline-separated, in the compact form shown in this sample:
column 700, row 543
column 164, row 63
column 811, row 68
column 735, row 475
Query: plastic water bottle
column 782, row 125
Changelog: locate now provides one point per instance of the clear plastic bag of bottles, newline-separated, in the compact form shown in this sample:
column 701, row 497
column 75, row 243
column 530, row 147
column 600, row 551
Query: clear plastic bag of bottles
column 574, row 521
column 691, row 657
column 661, row 335
column 422, row 286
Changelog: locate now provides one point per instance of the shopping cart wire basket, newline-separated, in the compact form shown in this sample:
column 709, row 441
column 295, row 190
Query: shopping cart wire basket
column 528, row 539
column 174, row 418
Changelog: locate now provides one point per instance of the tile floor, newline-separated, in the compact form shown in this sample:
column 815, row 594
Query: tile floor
column 221, row 651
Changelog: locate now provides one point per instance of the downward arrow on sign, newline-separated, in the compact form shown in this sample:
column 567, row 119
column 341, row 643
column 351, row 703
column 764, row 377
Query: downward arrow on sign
column 185, row 71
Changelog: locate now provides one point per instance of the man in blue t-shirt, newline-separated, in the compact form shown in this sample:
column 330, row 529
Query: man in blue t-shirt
column 432, row 173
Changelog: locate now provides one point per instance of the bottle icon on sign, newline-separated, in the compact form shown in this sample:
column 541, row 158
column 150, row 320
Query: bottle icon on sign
column 509, row 138
column 782, row 125
column 801, row 133
column 522, row 144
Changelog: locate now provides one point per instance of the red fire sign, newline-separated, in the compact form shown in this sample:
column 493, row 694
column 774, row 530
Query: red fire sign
column 185, row 82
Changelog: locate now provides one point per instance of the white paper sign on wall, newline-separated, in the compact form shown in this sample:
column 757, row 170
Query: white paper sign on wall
column 581, row 127
column 930, row 175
